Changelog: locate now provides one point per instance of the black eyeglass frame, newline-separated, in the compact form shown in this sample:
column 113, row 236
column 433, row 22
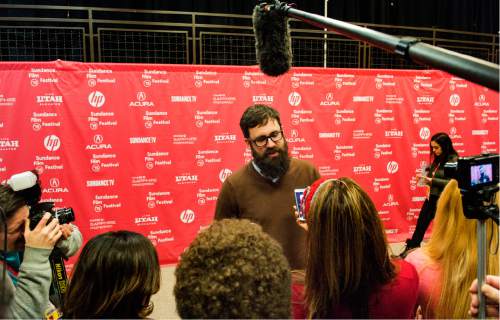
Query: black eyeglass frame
column 275, row 137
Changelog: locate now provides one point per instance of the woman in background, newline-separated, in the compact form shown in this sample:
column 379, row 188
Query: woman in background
column 441, row 152
column 115, row 276
column 349, row 273
column 447, row 264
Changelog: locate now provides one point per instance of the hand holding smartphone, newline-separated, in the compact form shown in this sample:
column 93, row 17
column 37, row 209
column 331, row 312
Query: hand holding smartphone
column 299, row 193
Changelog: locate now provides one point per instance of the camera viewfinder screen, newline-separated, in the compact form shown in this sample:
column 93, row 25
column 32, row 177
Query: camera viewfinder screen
column 482, row 173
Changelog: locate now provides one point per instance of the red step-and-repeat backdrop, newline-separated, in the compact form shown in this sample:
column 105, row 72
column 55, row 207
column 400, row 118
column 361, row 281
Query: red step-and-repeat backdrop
column 147, row 147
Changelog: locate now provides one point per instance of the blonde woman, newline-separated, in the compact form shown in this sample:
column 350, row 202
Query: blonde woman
column 447, row 264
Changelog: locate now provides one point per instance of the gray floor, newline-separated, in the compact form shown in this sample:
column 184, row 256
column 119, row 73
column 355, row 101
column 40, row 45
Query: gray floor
column 164, row 300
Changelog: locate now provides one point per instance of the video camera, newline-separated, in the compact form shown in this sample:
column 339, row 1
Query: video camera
column 477, row 178
column 474, row 172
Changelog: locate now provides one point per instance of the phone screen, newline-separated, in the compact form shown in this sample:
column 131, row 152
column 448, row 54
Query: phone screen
column 299, row 193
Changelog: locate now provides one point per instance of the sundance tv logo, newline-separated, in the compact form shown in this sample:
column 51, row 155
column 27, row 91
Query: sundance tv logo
column 52, row 142
column 187, row 216
column 96, row 99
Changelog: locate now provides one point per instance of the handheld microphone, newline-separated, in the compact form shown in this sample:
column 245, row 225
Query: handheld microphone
column 272, row 40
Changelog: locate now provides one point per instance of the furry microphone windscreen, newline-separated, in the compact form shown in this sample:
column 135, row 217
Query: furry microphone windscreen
column 272, row 41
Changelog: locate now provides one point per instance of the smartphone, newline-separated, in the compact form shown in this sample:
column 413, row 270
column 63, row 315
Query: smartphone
column 299, row 193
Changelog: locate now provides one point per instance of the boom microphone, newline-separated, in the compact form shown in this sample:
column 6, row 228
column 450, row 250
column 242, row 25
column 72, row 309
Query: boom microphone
column 272, row 40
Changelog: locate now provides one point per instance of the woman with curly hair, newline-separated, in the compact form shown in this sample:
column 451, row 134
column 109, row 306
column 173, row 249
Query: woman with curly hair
column 233, row 270
column 447, row 263
column 115, row 276
column 349, row 272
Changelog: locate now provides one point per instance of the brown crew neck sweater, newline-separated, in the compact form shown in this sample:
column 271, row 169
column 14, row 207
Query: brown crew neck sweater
column 247, row 195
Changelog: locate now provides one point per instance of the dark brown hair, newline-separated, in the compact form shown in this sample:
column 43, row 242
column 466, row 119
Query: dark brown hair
column 10, row 201
column 347, row 250
column 115, row 276
column 257, row 115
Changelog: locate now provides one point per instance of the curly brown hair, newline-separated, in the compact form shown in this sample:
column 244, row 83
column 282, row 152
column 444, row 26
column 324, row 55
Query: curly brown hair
column 233, row 270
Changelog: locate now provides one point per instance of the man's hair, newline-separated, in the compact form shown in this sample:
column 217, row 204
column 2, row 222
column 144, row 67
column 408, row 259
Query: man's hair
column 347, row 249
column 453, row 245
column 10, row 201
column 115, row 276
column 257, row 115
column 233, row 270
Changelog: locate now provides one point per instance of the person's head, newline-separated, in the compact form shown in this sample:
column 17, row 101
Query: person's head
column 261, row 127
column 115, row 276
column 441, row 147
column 453, row 244
column 233, row 270
column 15, row 212
column 347, row 248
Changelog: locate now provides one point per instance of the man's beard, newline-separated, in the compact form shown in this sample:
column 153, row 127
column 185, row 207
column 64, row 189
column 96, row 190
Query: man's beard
column 273, row 167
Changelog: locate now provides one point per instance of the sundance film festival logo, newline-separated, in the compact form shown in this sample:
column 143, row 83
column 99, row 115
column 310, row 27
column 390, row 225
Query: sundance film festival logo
column 294, row 99
column 187, row 216
column 392, row 167
column 96, row 99
column 424, row 133
column 454, row 100
column 223, row 174
column 52, row 142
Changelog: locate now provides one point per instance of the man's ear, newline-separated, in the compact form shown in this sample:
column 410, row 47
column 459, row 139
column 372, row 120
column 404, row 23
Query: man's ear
column 248, row 142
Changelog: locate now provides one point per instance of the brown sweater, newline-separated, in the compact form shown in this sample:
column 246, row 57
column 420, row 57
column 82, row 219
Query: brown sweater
column 247, row 195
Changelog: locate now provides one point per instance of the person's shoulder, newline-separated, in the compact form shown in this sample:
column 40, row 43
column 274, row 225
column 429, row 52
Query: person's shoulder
column 407, row 270
column 240, row 173
column 416, row 256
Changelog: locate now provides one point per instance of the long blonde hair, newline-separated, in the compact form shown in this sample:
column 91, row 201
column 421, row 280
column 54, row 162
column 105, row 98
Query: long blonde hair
column 453, row 246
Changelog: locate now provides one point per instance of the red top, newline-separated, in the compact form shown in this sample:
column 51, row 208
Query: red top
column 396, row 299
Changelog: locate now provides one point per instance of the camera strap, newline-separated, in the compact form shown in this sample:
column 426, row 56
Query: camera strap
column 59, row 278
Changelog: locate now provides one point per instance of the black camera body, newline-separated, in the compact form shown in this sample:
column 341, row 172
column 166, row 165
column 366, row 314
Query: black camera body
column 474, row 172
column 477, row 178
column 64, row 215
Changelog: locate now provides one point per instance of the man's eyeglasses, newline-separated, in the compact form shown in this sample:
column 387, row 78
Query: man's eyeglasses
column 262, row 140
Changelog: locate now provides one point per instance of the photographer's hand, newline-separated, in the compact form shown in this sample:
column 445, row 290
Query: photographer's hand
column 66, row 230
column 44, row 235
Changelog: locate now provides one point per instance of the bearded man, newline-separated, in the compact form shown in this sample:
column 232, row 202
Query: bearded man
column 263, row 190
